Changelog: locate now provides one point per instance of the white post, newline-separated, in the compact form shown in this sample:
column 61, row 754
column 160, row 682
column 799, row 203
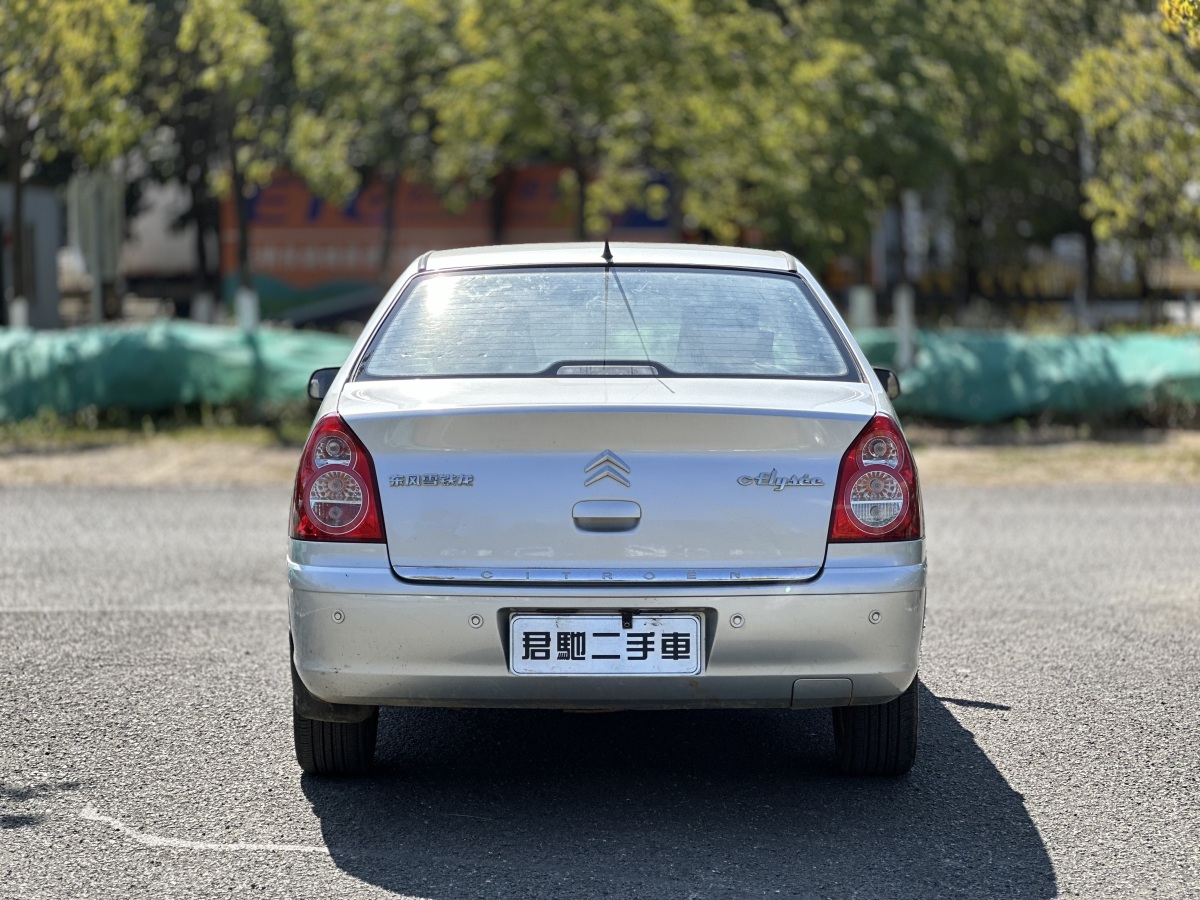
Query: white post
column 862, row 307
column 18, row 313
column 245, row 303
column 202, row 308
column 904, row 320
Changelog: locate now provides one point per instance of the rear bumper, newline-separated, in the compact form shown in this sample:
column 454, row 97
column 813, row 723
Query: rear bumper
column 850, row 636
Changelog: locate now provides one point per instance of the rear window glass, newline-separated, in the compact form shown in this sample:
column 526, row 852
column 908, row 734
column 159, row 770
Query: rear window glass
column 697, row 322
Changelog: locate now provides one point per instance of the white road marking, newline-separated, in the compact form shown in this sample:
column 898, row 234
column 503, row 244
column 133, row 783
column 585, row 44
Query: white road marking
column 154, row 840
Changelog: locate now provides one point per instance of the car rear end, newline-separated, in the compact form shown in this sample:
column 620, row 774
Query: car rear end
column 668, row 480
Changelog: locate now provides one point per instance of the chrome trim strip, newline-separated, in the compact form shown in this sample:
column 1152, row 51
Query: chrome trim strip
column 603, row 576
column 383, row 584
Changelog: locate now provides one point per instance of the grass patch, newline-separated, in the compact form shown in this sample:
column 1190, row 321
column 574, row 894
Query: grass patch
column 91, row 428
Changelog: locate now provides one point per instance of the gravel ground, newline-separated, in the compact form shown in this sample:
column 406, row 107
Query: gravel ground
column 193, row 460
column 145, row 749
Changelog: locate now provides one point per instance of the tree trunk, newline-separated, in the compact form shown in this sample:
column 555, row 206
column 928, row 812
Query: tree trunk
column 3, row 304
column 201, row 217
column 499, row 203
column 901, row 243
column 1142, row 274
column 972, row 255
column 201, row 250
column 391, row 182
column 243, row 218
column 1089, row 257
column 1086, row 157
column 18, row 217
column 580, row 201
column 675, row 189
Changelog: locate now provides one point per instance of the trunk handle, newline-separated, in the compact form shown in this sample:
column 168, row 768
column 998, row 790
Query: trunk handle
column 606, row 515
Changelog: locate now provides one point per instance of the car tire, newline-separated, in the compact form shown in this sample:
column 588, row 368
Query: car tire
column 335, row 748
column 877, row 740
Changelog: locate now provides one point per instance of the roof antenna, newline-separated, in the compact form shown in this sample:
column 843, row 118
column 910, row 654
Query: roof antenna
column 607, row 254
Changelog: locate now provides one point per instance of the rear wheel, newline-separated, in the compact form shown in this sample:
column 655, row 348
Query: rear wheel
column 335, row 748
column 326, row 747
column 877, row 740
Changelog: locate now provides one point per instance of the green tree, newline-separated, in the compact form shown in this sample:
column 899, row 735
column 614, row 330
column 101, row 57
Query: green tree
column 1058, row 150
column 621, row 94
column 958, row 99
column 1015, row 178
column 240, row 53
column 887, row 102
column 1140, row 97
column 1183, row 17
column 178, row 142
column 708, row 112
column 546, row 80
column 364, row 72
column 66, row 68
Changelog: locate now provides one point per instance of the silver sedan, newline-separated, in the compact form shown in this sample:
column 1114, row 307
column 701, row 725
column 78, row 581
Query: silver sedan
column 594, row 476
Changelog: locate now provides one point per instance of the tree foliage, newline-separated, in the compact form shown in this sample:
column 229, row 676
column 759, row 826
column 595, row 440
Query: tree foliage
column 66, row 68
column 891, row 103
column 230, row 42
column 541, row 81
column 364, row 72
column 794, row 123
column 709, row 115
column 1140, row 97
column 1183, row 17
column 242, row 57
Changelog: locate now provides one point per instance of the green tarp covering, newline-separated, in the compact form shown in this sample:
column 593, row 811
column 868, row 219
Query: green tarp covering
column 151, row 368
column 984, row 377
column 961, row 376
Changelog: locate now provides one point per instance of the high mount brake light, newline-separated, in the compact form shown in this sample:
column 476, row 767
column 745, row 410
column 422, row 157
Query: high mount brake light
column 877, row 497
column 336, row 497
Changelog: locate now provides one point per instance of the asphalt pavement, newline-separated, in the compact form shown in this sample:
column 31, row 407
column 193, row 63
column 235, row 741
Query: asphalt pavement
column 145, row 736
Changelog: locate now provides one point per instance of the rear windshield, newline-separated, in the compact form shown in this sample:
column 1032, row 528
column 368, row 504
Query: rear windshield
column 696, row 322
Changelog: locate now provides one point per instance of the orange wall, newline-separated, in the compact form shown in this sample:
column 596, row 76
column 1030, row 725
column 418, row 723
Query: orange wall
column 304, row 242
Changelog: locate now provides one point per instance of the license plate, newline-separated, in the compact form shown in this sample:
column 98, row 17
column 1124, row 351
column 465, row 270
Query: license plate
column 599, row 645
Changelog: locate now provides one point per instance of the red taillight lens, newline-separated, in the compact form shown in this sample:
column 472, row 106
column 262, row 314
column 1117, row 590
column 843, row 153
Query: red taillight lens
column 877, row 497
column 336, row 497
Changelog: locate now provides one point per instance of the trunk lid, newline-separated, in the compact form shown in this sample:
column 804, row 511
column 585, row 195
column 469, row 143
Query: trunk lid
column 606, row 479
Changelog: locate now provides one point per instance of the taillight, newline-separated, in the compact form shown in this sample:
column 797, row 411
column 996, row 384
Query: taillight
column 336, row 498
column 877, row 497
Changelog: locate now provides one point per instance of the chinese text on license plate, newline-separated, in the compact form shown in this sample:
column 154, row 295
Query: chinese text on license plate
column 599, row 645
